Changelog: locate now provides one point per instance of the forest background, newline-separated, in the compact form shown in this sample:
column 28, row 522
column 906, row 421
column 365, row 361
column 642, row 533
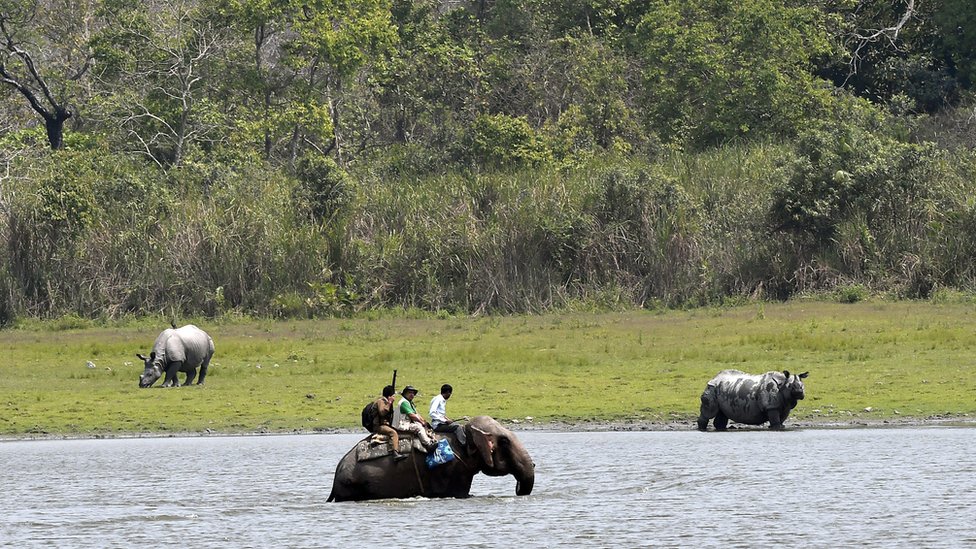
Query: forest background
column 317, row 158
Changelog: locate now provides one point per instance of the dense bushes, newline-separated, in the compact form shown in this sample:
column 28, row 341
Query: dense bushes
column 310, row 159
column 100, row 235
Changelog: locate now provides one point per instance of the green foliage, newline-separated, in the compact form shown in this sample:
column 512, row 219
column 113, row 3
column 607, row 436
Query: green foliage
column 842, row 172
column 852, row 293
column 716, row 70
column 502, row 141
column 324, row 186
column 322, row 299
column 956, row 24
column 927, row 63
column 588, row 90
column 237, row 157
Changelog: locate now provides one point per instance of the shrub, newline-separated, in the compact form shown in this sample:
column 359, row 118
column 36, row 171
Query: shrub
column 323, row 186
column 503, row 141
column 843, row 172
column 851, row 293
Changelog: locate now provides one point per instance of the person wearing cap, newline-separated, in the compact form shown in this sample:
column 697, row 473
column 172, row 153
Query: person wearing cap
column 411, row 421
column 383, row 419
column 438, row 415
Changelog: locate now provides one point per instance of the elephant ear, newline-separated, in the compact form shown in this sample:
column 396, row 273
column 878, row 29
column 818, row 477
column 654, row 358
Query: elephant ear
column 485, row 442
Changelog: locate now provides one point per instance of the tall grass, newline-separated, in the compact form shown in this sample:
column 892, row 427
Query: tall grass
column 102, row 236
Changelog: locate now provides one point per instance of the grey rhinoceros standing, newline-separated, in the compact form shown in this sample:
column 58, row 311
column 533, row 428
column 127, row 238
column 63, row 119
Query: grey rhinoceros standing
column 750, row 399
column 177, row 350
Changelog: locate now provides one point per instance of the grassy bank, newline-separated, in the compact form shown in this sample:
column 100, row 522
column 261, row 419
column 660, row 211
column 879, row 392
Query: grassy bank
column 904, row 359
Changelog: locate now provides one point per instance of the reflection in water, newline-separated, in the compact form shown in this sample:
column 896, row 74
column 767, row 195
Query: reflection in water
column 807, row 488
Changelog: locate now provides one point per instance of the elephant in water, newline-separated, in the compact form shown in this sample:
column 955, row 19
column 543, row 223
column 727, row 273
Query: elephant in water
column 490, row 449
column 177, row 350
column 750, row 399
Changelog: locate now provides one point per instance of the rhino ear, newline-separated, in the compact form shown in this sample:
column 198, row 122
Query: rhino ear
column 786, row 373
column 142, row 358
column 803, row 375
column 152, row 355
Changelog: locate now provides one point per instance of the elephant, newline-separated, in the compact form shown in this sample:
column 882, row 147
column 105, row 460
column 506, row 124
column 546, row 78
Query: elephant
column 750, row 399
column 490, row 449
column 177, row 350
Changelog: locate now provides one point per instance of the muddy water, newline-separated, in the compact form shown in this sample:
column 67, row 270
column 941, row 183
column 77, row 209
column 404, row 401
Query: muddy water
column 906, row 487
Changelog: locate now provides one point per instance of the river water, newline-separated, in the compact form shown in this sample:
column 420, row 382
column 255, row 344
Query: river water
column 894, row 487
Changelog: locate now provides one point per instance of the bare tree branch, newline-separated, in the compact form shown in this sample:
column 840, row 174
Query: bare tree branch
column 870, row 36
column 19, row 70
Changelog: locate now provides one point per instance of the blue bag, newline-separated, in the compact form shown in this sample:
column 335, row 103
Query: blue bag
column 443, row 453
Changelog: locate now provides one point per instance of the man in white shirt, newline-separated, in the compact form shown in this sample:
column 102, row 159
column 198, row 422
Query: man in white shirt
column 438, row 415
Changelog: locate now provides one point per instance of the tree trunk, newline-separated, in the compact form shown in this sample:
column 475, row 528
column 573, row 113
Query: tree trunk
column 54, row 123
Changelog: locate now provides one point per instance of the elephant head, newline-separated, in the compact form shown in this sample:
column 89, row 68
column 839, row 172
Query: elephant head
column 151, row 372
column 501, row 453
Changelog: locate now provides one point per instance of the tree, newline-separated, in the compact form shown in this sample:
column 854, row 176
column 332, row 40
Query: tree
column 913, row 56
column 956, row 21
column 720, row 69
column 334, row 40
column 301, row 56
column 161, row 60
column 44, row 55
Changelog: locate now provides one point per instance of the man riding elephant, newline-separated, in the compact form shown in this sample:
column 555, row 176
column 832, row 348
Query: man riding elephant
column 383, row 418
column 413, row 422
column 490, row 448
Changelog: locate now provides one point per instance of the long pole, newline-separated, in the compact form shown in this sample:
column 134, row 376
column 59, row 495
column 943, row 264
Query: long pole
column 394, row 381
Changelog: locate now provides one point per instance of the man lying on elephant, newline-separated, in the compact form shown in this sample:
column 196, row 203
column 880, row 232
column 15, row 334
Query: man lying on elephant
column 412, row 422
column 383, row 419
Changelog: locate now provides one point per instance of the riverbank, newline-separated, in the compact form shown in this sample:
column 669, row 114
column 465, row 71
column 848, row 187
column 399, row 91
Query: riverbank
column 870, row 364
column 581, row 426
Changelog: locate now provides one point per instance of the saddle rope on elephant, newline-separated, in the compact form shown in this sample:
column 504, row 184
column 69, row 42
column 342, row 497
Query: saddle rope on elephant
column 416, row 471
column 377, row 445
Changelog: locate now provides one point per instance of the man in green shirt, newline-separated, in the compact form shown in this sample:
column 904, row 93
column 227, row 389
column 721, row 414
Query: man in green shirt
column 411, row 421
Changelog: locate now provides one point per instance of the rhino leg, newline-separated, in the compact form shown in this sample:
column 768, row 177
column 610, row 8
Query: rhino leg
column 203, row 371
column 775, row 420
column 190, row 375
column 709, row 409
column 721, row 421
column 171, row 369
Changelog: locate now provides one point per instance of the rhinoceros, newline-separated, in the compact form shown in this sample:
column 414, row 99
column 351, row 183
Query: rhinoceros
column 177, row 350
column 750, row 399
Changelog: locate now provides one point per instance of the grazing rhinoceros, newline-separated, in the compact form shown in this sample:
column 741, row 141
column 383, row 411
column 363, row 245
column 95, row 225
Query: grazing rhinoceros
column 177, row 350
column 750, row 399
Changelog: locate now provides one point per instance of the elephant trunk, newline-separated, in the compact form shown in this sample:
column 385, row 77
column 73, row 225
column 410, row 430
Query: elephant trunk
column 523, row 486
column 523, row 469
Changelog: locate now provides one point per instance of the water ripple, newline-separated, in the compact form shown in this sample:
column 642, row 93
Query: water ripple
column 823, row 488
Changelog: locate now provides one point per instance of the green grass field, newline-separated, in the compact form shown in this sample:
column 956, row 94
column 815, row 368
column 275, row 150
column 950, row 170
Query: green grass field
column 902, row 359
